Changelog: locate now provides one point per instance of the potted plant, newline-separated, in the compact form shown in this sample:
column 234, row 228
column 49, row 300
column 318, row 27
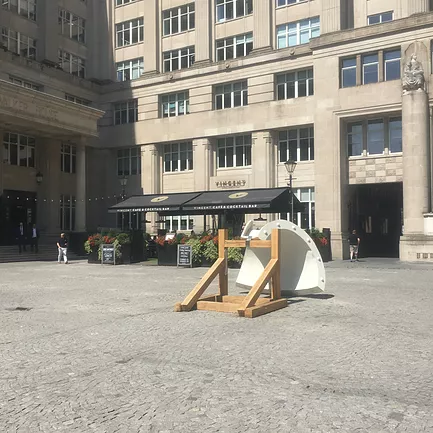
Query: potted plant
column 167, row 250
column 322, row 243
column 235, row 257
column 210, row 249
column 122, row 246
column 91, row 246
column 197, row 250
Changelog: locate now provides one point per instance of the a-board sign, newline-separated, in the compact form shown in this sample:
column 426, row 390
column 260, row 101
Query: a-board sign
column 108, row 254
column 184, row 255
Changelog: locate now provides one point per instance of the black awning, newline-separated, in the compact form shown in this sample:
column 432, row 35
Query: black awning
column 154, row 202
column 266, row 200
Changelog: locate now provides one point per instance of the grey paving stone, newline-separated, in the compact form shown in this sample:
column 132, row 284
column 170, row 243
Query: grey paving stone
column 99, row 349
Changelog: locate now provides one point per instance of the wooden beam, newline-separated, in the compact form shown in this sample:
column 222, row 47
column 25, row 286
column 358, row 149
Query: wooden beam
column 222, row 307
column 214, row 298
column 275, row 254
column 241, row 243
column 259, row 285
column 223, row 273
column 259, row 310
column 189, row 302
column 240, row 299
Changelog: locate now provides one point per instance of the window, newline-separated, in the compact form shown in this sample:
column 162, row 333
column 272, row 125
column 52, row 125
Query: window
column 126, row 112
column 297, row 33
column 295, row 84
column 129, row 161
column 72, row 26
column 18, row 150
column 370, row 68
column 355, row 139
column 395, row 135
column 234, row 47
column 23, row 83
column 179, row 59
column 130, row 69
column 175, row 104
column 68, row 158
column 76, row 100
column 375, row 137
column 175, row 223
column 230, row 9
column 67, row 212
column 392, row 65
column 19, row 43
column 231, row 95
column 296, row 144
column 72, row 64
column 348, row 72
column 179, row 19
column 289, row 2
column 307, row 218
column 26, row 8
column 234, row 151
column 124, row 2
column 129, row 220
column 380, row 18
column 178, row 157
column 129, row 32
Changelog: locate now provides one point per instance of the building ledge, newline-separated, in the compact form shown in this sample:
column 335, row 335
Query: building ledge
column 403, row 25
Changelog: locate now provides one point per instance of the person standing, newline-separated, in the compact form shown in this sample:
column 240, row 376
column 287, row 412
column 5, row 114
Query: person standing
column 21, row 238
column 354, row 242
column 62, row 245
column 34, row 239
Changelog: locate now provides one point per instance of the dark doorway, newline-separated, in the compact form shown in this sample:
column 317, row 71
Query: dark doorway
column 16, row 207
column 375, row 211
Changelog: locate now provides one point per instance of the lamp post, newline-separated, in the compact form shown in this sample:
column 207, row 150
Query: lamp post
column 290, row 167
column 123, row 182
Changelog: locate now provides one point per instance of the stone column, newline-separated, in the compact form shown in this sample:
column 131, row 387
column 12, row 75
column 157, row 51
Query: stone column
column 81, row 196
column 203, row 30
column 263, row 27
column 50, row 188
column 202, row 149
column 330, row 18
column 416, row 243
column 417, row 6
column 263, row 159
column 152, row 38
column 49, row 39
column 151, row 178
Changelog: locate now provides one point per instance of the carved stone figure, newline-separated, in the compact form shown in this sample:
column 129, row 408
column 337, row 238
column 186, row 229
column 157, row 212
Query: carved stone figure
column 413, row 77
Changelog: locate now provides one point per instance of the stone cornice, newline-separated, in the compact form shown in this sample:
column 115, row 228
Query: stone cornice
column 404, row 25
column 47, row 110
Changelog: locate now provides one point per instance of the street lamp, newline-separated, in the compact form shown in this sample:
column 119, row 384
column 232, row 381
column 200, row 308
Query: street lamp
column 290, row 167
column 123, row 181
column 39, row 177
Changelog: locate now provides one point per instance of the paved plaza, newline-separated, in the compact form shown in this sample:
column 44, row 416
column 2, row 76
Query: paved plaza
column 86, row 348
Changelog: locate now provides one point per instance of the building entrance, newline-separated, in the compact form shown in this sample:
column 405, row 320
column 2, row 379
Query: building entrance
column 376, row 212
column 16, row 207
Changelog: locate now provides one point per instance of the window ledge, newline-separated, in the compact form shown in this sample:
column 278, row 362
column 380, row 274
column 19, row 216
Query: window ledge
column 171, row 35
column 232, row 19
column 382, row 155
column 171, row 173
column 234, row 168
column 127, row 46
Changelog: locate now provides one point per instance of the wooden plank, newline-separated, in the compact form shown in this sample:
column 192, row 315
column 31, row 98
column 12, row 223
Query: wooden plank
column 189, row 302
column 241, row 243
column 213, row 298
column 259, row 310
column 260, row 284
column 222, row 307
column 275, row 254
column 223, row 273
column 240, row 299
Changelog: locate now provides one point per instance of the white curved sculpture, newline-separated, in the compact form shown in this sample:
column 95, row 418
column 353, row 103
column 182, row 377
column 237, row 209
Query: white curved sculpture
column 302, row 270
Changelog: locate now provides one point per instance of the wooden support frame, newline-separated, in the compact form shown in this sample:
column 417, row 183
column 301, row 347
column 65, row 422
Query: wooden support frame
column 251, row 305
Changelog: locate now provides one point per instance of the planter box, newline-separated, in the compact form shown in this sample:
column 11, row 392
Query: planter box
column 325, row 252
column 126, row 254
column 93, row 257
column 167, row 255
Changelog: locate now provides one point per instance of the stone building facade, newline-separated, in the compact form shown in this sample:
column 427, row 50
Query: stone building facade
column 194, row 96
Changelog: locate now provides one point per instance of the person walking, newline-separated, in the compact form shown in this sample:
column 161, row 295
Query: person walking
column 34, row 239
column 354, row 242
column 21, row 238
column 62, row 245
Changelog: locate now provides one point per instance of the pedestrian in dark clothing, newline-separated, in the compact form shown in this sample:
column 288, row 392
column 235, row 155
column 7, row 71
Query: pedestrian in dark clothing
column 21, row 237
column 354, row 242
column 62, row 245
column 34, row 239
